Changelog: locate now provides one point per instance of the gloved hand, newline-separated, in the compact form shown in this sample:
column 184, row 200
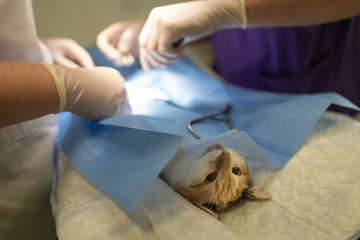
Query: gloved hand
column 68, row 53
column 119, row 42
column 92, row 93
column 169, row 28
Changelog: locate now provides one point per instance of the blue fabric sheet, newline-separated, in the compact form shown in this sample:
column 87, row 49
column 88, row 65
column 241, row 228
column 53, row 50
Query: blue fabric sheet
column 124, row 154
column 121, row 161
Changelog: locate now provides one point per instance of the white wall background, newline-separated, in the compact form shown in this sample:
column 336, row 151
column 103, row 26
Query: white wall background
column 83, row 19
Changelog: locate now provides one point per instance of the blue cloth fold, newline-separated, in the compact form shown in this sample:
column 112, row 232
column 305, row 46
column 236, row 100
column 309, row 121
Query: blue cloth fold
column 124, row 154
column 121, row 161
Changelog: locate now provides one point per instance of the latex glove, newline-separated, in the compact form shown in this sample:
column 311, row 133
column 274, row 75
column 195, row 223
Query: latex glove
column 67, row 52
column 92, row 93
column 169, row 28
column 119, row 42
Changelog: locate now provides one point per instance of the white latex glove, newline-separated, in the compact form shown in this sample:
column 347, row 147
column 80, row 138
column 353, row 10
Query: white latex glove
column 67, row 52
column 119, row 42
column 169, row 28
column 92, row 93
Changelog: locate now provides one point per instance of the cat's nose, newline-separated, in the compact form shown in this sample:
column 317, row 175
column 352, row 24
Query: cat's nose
column 215, row 146
column 224, row 160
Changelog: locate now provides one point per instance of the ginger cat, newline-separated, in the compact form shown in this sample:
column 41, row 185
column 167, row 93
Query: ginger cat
column 214, row 179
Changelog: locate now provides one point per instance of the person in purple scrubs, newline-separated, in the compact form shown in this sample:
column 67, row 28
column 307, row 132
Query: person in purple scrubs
column 292, row 46
column 311, row 59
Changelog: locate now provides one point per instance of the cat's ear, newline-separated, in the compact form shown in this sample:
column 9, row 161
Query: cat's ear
column 256, row 191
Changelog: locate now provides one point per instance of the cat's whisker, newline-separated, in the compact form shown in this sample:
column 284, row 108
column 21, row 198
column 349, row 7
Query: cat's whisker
column 248, row 190
column 210, row 206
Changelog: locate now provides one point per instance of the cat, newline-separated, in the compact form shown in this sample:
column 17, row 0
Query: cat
column 214, row 179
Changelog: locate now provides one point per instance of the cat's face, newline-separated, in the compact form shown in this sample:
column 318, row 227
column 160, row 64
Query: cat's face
column 216, row 178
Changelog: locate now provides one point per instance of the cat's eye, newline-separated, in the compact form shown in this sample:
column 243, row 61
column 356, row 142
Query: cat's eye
column 210, row 178
column 236, row 171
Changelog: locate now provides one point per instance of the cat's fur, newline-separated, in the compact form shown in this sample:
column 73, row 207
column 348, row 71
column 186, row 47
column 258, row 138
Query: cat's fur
column 214, row 179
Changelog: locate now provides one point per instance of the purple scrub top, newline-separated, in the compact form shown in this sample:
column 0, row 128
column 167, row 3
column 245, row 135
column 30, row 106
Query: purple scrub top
column 312, row 59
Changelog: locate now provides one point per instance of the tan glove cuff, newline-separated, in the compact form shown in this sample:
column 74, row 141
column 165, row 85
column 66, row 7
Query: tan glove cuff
column 244, row 14
column 58, row 77
column 228, row 14
column 240, row 7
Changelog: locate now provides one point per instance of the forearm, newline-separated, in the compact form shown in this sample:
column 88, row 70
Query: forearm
column 274, row 13
column 27, row 91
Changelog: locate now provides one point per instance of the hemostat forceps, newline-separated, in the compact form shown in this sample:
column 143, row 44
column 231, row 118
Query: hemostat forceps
column 226, row 112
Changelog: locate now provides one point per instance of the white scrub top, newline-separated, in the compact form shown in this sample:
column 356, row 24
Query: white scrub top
column 26, row 149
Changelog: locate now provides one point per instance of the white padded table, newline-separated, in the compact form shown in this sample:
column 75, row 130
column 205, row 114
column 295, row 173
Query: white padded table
column 316, row 195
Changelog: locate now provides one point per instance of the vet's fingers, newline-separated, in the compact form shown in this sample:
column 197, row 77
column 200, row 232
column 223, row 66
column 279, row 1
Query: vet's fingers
column 128, row 48
column 145, row 65
column 124, row 60
column 148, row 61
column 170, row 56
column 79, row 55
column 104, row 45
column 115, row 56
column 107, row 41
column 60, row 59
column 128, row 41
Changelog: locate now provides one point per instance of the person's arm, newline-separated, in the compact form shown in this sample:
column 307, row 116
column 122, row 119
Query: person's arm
column 275, row 13
column 169, row 28
column 31, row 90
column 68, row 53
column 27, row 91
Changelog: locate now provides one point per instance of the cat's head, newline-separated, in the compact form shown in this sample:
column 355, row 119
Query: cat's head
column 217, row 178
